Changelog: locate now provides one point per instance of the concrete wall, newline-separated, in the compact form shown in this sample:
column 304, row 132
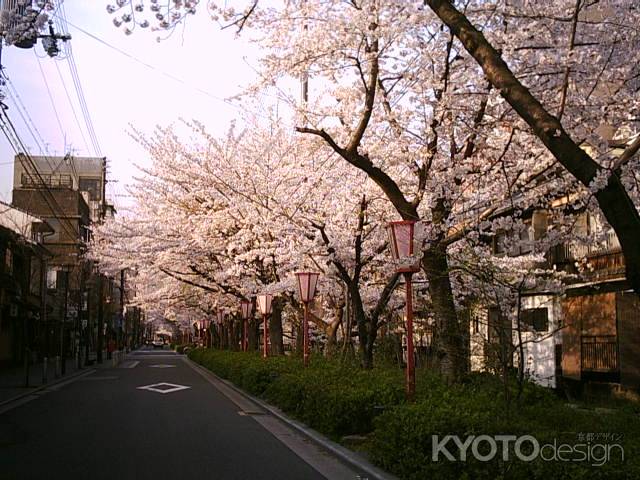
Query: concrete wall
column 478, row 334
column 539, row 347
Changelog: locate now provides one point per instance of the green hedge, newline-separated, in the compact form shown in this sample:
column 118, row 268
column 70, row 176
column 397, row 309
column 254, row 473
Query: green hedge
column 332, row 398
column 181, row 349
column 402, row 442
column 341, row 399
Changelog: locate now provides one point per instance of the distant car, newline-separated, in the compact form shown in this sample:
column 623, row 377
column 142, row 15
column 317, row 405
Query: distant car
column 157, row 344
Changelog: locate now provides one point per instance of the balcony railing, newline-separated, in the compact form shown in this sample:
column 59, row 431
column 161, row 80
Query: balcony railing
column 47, row 180
column 599, row 353
column 570, row 252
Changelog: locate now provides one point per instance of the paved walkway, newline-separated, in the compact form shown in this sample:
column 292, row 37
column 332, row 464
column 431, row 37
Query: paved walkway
column 12, row 380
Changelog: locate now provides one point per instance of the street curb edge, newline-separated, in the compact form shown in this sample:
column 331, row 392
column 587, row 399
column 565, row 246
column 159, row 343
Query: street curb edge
column 346, row 455
column 45, row 386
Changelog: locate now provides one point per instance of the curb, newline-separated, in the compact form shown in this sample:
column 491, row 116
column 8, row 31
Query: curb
column 57, row 381
column 344, row 454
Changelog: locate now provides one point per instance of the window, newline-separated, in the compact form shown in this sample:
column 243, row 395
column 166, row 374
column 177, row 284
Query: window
column 535, row 318
column 499, row 243
column 52, row 278
column 61, row 181
column 91, row 185
column 513, row 244
column 526, row 240
column 476, row 323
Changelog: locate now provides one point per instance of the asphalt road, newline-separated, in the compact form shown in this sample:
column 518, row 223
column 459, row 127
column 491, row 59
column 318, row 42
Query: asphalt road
column 105, row 426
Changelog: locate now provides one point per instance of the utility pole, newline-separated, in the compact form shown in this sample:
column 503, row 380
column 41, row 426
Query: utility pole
column 63, row 322
column 45, row 323
column 87, row 336
column 100, row 320
column 79, row 315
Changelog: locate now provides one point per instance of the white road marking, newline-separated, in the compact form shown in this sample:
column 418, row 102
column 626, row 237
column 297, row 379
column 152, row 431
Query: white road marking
column 129, row 364
column 163, row 387
column 99, row 378
column 162, row 365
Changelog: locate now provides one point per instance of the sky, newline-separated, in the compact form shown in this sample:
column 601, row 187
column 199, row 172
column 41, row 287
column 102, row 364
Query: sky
column 187, row 75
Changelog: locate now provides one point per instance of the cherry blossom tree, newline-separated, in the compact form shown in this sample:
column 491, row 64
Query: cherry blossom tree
column 396, row 92
column 22, row 20
column 565, row 68
column 234, row 216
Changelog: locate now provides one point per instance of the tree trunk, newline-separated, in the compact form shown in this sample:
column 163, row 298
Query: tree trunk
column 448, row 341
column 275, row 328
column 366, row 335
column 332, row 330
column 215, row 337
column 253, row 335
column 613, row 200
column 232, row 344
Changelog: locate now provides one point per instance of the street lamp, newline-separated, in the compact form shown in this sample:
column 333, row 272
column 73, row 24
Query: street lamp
column 264, row 304
column 401, row 240
column 307, row 282
column 245, row 310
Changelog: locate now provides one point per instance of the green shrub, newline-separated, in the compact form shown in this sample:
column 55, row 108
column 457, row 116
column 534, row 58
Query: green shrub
column 338, row 399
column 333, row 398
column 402, row 441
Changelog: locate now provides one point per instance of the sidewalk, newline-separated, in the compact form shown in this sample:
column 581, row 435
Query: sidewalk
column 12, row 380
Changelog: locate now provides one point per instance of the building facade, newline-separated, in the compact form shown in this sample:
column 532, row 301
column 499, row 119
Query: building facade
column 69, row 193
column 24, row 303
column 589, row 333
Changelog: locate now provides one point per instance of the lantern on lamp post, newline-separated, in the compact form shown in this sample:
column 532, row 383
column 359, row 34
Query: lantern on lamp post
column 401, row 238
column 264, row 304
column 307, row 283
column 245, row 310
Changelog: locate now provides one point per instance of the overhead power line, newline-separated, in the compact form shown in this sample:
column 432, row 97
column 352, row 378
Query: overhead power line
column 73, row 69
column 73, row 110
column 53, row 105
column 151, row 67
column 8, row 128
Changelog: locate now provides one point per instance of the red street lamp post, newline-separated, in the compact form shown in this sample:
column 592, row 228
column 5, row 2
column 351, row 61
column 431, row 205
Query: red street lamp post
column 264, row 304
column 307, row 283
column 245, row 310
column 401, row 241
